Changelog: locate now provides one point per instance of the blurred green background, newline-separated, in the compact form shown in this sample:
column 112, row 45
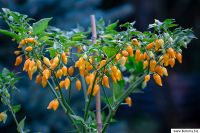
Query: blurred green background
column 157, row 110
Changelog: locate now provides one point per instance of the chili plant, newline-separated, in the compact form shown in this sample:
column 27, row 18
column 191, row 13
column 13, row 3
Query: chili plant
column 7, row 89
column 102, row 55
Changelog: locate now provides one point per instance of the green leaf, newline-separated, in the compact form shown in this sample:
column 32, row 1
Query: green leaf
column 14, row 16
column 119, row 88
column 128, row 25
column 40, row 25
column 100, row 24
column 52, row 52
column 78, row 37
column 78, row 119
column 20, row 127
column 5, row 72
column 109, row 51
column 108, row 36
column 112, row 26
column 11, row 34
column 16, row 108
column 133, row 66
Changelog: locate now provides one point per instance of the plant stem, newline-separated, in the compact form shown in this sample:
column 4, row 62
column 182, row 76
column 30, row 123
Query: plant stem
column 108, row 119
column 67, row 109
column 62, row 97
column 70, row 88
column 90, row 98
column 104, row 92
column 84, row 88
column 120, row 99
column 129, row 91
column 64, row 108
column 8, row 33
column 14, row 116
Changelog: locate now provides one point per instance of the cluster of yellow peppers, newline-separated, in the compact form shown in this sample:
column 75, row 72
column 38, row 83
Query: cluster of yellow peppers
column 156, row 65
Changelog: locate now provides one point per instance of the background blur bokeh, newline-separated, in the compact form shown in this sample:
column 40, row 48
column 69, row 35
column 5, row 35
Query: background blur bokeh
column 157, row 110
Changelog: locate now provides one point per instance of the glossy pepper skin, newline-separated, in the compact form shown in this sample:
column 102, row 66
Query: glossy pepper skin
column 71, row 70
column 28, row 49
column 129, row 49
column 67, row 83
column 147, row 78
column 78, row 84
column 54, row 104
column 46, row 61
column 128, row 100
column 105, row 81
column 96, row 90
column 157, row 79
column 64, row 58
column 18, row 60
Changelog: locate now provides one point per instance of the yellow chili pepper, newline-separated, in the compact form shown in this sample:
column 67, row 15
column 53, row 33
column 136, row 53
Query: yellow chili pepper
column 118, row 56
column 17, row 52
column 78, row 84
column 18, row 60
column 2, row 116
column 147, row 78
column 64, row 70
column 96, row 90
column 124, row 53
column 38, row 79
column 28, row 49
column 150, row 46
column 102, row 63
column 152, row 65
column 105, row 81
column 128, row 100
column 44, row 82
column 157, row 79
column 59, row 73
column 172, row 62
column 64, row 58
column 171, row 52
column 123, row 60
column 67, row 83
column 71, row 70
column 62, row 84
column 129, row 49
column 46, row 74
column 145, row 64
column 39, row 64
column 137, row 55
column 135, row 42
column 179, row 57
column 165, row 73
column 26, row 65
column 54, row 104
column 46, row 61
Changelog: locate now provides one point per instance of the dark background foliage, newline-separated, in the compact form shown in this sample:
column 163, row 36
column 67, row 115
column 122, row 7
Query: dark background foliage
column 157, row 110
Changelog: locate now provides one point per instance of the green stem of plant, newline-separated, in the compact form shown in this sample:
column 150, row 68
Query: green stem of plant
column 12, row 35
column 90, row 98
column 108, row 119
column 67, row 109
column 120, row 99
column 14, row 116
column 70, row 89
column 62, row 97
column 129, row 91
column 104, row 92
column 84, row 88
column 64, row 108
